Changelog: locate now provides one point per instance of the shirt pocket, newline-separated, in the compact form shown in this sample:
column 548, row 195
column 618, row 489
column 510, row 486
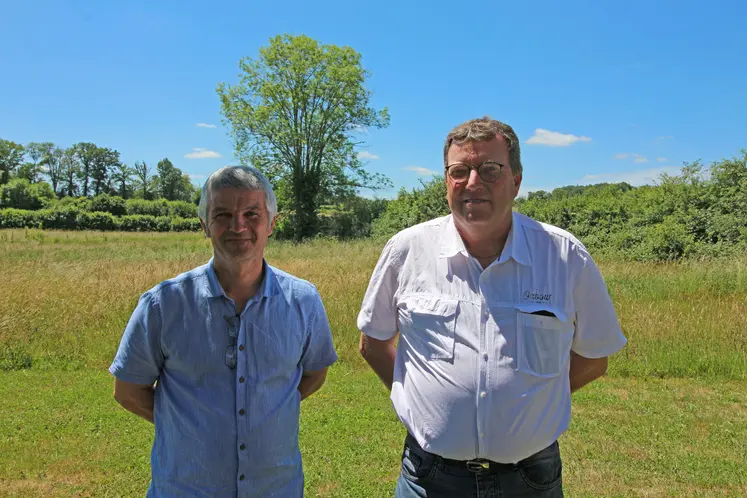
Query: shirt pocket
column 428, row 324
column 544, row 341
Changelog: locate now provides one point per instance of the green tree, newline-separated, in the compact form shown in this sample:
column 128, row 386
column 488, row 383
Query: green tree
column 11, row 159
column 69, row 171
column 19, row 193
column 39, row 153
column 53, row 167
column 86, row 155
column 295, row 114
column 104, row 163
column 173, row 184
column 122, row 179
column 146, row 180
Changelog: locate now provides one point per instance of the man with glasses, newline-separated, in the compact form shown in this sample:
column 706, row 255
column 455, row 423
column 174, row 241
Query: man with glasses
column 499, row 319
column 220, row 357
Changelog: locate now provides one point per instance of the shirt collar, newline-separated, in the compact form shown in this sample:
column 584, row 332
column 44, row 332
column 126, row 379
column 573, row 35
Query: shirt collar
column 516, row 243
column 267, row 288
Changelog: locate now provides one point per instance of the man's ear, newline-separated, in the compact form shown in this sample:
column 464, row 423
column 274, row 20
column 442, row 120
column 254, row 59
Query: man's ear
column 204, row 228
column 272, row 224
column 517, row 184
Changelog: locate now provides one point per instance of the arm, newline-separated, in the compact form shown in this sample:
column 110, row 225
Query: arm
column 311, row 381
column 584, row 370
column 136, row 398
column 380, row 357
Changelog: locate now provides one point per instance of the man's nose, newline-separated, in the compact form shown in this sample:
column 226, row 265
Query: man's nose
column 473, row 180
column 238, row 223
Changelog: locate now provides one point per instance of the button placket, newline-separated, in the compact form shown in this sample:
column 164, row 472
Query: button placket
column 242, row 423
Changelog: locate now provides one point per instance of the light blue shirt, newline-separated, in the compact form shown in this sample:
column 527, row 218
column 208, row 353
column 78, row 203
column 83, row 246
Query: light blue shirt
column 222, row 431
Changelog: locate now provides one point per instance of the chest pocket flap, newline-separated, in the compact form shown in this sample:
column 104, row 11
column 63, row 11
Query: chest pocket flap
column 428, row 323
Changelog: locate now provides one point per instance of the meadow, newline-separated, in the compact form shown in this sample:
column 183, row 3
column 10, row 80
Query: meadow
column 669, row 419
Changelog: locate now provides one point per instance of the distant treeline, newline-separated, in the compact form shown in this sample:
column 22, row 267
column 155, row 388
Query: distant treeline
column 701, row 212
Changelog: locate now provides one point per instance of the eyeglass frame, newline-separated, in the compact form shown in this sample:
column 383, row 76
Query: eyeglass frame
column 475, row 168
column 233, row 335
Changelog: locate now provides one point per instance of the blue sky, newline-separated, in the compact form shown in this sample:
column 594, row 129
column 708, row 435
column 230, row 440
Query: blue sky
column 596, row 91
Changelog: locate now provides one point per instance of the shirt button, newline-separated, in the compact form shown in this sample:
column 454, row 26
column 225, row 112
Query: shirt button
column 242, row 447
column 482, row 434
column 241, row 379
column 241, row 412
column 241, row 348
column 483, row 394
column 241, row 477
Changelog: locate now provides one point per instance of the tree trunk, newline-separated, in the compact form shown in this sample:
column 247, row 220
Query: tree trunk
column 305, row 221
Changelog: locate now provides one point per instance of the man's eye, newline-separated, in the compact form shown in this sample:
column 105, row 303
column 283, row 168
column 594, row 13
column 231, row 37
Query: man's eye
column 222, row 215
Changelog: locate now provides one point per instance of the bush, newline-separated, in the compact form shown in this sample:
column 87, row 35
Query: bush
column 65, row 218
column 150, row 208
column 19, row 218
column 137, row 223
column 182, row 209
column 185, row 225
column 96, row 221
column 20, row 194
column 105, row 203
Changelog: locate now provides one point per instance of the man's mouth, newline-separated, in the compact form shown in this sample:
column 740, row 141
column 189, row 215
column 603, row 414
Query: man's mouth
column 474, row 201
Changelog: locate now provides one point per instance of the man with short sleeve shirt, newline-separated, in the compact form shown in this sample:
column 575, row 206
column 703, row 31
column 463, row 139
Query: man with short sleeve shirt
column 499, row 319
column 219, row 357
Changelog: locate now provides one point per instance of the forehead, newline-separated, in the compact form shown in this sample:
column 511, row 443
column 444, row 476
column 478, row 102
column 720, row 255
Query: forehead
column 475, row 151
column 231, row 198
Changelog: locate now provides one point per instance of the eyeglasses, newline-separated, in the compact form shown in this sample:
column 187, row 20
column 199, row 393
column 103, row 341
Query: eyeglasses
column 234, row 322
column 489, row 171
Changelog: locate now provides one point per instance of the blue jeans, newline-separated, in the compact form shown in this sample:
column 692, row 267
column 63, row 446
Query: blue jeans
column 425, row 475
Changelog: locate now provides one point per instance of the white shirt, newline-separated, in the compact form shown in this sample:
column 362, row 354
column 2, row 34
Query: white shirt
column 478, row 374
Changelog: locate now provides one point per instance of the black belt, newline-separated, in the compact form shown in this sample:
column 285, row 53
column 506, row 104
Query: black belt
column 478, row 465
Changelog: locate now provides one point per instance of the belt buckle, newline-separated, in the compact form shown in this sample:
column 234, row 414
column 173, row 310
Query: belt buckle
column 477, row 465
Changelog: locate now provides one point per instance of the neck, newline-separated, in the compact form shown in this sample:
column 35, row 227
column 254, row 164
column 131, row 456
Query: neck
column 240, row 280
column 485, row 243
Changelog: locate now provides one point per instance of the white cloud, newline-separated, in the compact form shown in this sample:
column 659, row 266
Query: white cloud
column 360, row 129
column 367, row 155
column 421, row 170
column 666, row 137
column 662, row 159
column 196, row 177
column 554, row 139
column 639, row 159
column 621, row 156
column 205, row 125
column 198, row 153
column 635, row 178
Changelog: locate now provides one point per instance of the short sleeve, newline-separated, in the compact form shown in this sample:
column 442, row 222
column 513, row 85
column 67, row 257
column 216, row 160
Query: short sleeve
column 319, row 350
column 598, row 332
column 378, row 315
column 139, row 359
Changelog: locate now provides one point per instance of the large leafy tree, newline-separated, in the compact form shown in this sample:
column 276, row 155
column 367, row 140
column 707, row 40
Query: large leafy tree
column 69, row 169
column 11, row 159
column 104, row 164
column 86, row 156
column 40, row 154
column 173, row 183
column 295, row 114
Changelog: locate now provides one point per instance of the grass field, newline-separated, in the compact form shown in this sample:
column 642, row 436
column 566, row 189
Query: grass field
column 670, row 419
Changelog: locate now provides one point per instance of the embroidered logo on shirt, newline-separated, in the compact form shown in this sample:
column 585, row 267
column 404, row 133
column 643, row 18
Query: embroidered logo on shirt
column 537, row 296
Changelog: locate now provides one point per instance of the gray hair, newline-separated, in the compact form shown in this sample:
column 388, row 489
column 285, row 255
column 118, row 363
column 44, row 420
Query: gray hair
column 246, row 177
